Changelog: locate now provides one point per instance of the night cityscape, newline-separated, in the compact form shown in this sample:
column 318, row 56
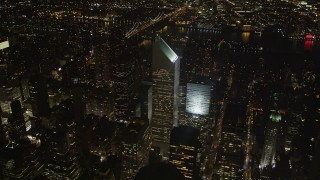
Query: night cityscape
column 160, row 90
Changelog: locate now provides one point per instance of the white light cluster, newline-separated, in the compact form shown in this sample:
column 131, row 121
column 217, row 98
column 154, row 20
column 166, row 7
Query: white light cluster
column 198, row 99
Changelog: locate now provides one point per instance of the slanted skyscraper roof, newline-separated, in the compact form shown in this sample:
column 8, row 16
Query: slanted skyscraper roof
column 163, row 56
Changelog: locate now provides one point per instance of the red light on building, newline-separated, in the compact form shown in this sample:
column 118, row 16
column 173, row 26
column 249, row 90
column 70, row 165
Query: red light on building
column 310, row 37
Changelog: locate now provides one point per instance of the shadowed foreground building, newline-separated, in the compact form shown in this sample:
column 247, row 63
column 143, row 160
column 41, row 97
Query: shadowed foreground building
column 229, row 163
column 20, row 156
column 136, row 142
column 165, row 76
column 61, row 156
column 184, row 147
column 159, row 171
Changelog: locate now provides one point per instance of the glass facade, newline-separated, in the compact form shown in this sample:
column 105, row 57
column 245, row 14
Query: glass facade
column 165, row 76
column 198, row 99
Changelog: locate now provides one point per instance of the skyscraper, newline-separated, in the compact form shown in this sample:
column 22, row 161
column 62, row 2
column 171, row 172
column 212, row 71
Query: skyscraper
column 61, row 156
column 4, row 44
column 146, row 100
column 39, row 96
column 136, row 142
column 16, row 121
column 196, row 113
column 184, row 146
column 269, row 148
column 198, row 99
column 273, row 131
column 229, row 159
column 165, row 75
column 123, row 76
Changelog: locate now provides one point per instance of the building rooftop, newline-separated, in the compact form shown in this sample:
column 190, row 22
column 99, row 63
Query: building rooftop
column 4, row 42
column 163, row 57
column 166, row 49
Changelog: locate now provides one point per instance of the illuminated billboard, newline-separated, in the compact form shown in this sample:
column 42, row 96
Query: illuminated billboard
column 198, row 99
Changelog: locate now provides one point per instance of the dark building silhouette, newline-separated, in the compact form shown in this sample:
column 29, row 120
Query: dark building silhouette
column 136, row 142
column 184, row 148
column 159, row 171
column 39, row 96
column 17, row 126
column 61, row 156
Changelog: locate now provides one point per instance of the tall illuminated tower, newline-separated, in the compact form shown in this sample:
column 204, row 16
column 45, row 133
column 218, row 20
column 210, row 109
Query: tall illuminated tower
column 165, row 75
column 269, row 148
column 273, row 130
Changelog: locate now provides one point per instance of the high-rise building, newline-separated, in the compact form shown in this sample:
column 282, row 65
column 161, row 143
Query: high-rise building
column 20, row 160
column 99, row 101
column 39, row 96
column 146, row 100
column 4, row 53
column 184, row 146
column 16, row 121
column 165, row 77
column 229, row 160
column 61, row 156
column 194, row 111
column 7, row 96
column 124, row 80
column 102, row 67
column 136, row 141
column 161, row 170
column 272, row 131
column 198, row 99
column 269, row 148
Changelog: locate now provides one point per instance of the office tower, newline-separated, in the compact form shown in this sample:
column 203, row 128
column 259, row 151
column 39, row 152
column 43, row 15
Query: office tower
column 24, row 87
column 184, row 146
column 20, row 157
column 20, row 160
column 315, row 173
column 196, row 114
column 72, row 73
column 198, row 99
column 39, row 96
column 269, row 148
column 154, row 155
column 4, row 53
column 61, row 156
column 123, row 69
column 272, row 132
column 293, row 127
column 146, row 100
column 79, row 104
column 229, row 160
column 104, row 174
column 165, row 77
column 7, row 96
column 136, row 142
column 159, row 171
column 16, row 121
column 99, row 101
column 102, row 67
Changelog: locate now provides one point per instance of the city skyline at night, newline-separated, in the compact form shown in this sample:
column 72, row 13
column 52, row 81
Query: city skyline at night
column 159, row 90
